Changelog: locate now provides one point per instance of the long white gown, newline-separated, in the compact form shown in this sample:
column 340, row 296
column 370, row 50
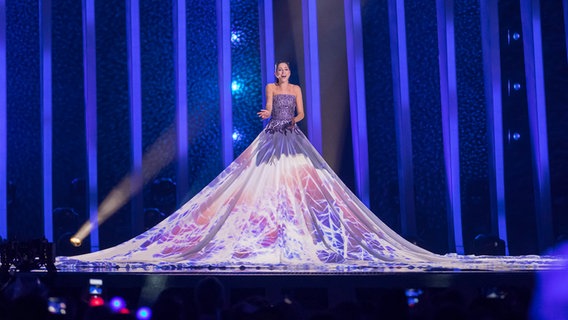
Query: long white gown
column 280, row 204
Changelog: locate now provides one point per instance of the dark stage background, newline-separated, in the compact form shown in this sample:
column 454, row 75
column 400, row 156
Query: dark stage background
column 24, row 175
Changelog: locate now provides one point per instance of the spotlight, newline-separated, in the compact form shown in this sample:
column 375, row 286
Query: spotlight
column 64, row 247
column 237, row 136
column 513, row 136
column 235, row 86
column 235, row 37
column 143, row 313
column 512, row 35
column 76, row 241
column 65, row 222
column 27, row 256
column 117, row 304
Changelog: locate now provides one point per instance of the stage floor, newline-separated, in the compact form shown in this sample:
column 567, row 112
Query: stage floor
column 277, row 280
column 242, row 278
column 395, row 276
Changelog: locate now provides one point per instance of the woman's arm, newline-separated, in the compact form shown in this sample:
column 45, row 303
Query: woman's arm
column 299, row 105
column 267, row 111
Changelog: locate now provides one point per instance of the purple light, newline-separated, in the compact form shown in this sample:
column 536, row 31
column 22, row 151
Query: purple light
column 90, row 79
column 356, row 75
column 143, row 313
column 492, row 76
column 135, row 92
column 266, row 26
column 450, row 130
column 117, row 304
column 225, row 85
column 397, row 27
column 180, row 63
column 47, row 107
column 3, row 131
column 536, row 98
column 311, row 57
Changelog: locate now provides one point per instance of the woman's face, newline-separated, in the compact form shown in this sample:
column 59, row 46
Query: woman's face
column 282, row 72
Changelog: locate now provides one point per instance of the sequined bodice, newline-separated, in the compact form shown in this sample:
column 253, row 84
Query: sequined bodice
column 283, row 106
column 283, row 110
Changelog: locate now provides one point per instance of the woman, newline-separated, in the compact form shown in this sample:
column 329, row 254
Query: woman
column 278, row 203
column 282, row 86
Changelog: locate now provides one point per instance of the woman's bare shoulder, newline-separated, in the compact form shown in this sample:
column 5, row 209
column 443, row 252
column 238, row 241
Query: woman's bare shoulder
column 296, row 88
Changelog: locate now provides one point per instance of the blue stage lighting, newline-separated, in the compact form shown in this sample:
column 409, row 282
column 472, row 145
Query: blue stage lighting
column 117, row 304
column 235, row 37
column 235, row 86
column 143, row 313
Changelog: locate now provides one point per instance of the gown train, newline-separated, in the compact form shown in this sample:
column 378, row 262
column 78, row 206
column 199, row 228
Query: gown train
column 280, row 204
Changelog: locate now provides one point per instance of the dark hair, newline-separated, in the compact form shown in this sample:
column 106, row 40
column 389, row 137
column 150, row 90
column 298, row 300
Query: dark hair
column 278, row 63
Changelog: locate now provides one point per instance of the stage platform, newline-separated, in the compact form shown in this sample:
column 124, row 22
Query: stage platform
column 486, row 281
column 243, row 278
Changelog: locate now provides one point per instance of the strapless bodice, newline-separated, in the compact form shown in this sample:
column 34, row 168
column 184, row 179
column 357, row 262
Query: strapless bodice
column 283, row 106
column 283, row 110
